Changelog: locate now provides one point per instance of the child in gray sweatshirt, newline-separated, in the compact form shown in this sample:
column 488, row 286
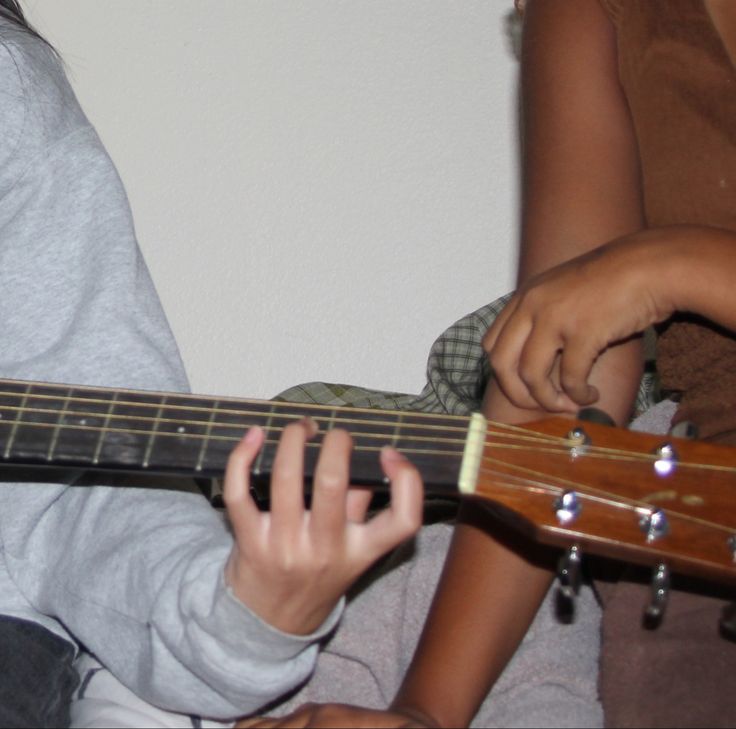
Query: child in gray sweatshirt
column 189, row 613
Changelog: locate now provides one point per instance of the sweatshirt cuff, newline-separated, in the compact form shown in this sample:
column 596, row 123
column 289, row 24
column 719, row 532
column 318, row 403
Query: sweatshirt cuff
column 258, row 636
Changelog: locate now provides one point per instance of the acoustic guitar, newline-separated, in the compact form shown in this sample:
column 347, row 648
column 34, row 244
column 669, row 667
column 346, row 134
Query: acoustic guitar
column 605, row 490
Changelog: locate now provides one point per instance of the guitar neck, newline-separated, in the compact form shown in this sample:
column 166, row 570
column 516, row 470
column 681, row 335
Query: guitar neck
column 45, row 424
column 562, row 482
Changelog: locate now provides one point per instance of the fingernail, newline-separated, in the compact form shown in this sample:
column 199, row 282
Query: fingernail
column 252, row 435
column 391, row 453
column 312, row 427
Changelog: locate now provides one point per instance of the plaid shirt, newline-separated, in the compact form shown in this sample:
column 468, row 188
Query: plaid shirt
column 458, row 373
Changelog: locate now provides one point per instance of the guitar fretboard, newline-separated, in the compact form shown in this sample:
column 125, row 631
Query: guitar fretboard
column 57, row 425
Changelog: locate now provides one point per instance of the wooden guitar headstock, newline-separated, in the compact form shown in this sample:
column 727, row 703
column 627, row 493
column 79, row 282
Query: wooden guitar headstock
column 631, row 496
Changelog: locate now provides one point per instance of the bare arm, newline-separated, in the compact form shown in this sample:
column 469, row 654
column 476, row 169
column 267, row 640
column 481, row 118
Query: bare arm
column 585, row 261
column 723, row 15
column 581, row 189
column 562, row 330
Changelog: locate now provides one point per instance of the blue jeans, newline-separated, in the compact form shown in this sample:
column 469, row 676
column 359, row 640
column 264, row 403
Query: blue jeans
column 37, row 676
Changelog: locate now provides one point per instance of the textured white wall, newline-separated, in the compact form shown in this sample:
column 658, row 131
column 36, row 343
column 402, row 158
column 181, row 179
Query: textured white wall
column 319, row 186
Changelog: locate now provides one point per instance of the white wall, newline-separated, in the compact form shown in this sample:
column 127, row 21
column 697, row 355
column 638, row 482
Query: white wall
column 319, row 186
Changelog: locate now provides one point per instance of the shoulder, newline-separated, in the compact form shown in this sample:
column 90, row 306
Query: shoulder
column 569, row 51
column 38, row 107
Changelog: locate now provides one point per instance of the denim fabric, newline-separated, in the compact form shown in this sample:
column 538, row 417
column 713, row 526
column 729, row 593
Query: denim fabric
column 37, row 676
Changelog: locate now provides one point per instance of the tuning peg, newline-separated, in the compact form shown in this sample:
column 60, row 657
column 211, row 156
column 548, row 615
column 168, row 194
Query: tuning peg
column 569, row 580
column 685, row 429
column 660, row 594
column 595, row 415
column 567, row 507
column 654, row 524
column 727, row 623
column 578, row 440
column 568, row 572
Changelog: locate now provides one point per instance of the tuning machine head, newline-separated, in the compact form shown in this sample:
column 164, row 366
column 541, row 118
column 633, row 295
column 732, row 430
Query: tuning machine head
column 727, row 623
column 578, row 441
column 654, row 524
column 595, row 415
column 667, row 459
column 660, row 592
column 685, row 429
column 567, row 507
column 569, row 576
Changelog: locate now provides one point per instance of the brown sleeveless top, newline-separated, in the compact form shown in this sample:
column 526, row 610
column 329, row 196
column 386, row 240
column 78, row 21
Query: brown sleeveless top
column 681, row 89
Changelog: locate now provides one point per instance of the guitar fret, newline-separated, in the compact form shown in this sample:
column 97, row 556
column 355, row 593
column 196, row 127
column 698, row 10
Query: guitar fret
column 154, row 429
column 58, row 426
column 104, row 429
column 395, row 441
column 259, row 462
column 332, row 418
column 397, row 430
column 206, row 439
column 17, row 422
column 132, row 430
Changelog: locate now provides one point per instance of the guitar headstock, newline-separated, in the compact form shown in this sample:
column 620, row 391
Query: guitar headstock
column 636, row 497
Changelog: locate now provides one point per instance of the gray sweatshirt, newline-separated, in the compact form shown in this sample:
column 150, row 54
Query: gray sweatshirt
column 135, row 575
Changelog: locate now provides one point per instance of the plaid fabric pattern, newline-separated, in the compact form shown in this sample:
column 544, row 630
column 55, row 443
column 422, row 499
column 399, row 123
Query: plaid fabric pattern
column 458, row 372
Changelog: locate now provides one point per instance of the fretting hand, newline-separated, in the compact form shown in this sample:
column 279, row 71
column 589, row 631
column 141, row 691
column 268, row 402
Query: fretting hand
column 291, row 565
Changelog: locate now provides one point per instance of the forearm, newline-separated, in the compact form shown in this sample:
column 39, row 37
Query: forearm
column 494, row 580
column 486, row 599
column 497, row 593
column 149, row 600
column 581, row 189
column 694, row 269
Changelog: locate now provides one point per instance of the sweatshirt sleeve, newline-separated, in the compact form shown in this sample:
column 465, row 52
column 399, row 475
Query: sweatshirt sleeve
column 135, row 575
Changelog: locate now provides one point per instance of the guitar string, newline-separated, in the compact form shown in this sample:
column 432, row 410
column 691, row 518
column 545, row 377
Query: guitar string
column 232, row 439
column 408, row 426
column 504, row 430
column 589, row 492
column 665, row 549
column 268, row 404
column 530, row 436
column 234, row 425
column 207, row 410
column 410, row 451
column 462, row 420
column 561, row 446
column 564, row 449
column 357, row 434
column 522, row 432
column 526, row 484
column 584, row 490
